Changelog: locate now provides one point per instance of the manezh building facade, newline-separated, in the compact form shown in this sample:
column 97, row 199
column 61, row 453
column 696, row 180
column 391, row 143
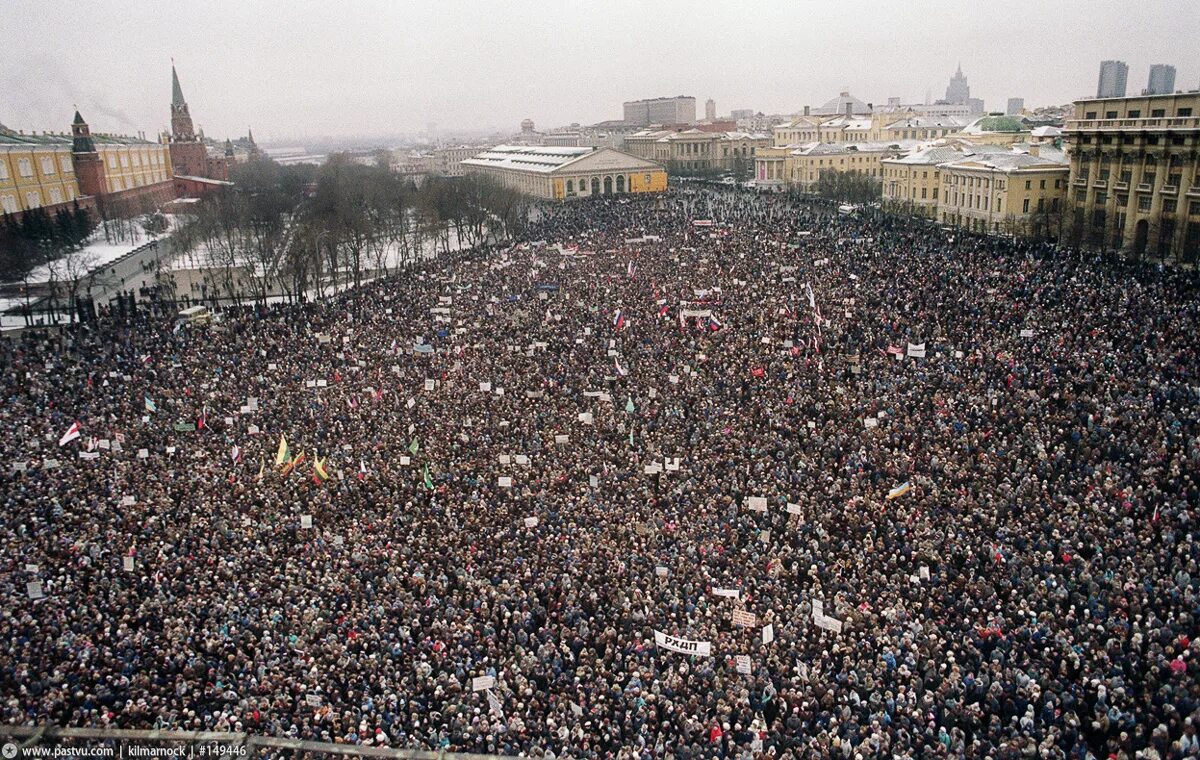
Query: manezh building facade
column 559, row 173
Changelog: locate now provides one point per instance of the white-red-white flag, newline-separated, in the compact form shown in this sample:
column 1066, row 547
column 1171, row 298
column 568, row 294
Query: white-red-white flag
column 71, row 434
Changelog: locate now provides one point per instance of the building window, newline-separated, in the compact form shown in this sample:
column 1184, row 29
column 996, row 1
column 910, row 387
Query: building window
column 1194, row 208
column 112, row 161
column 64, row 163
column 55, row 195
column 25, row 167
column 1025, row 206
column 47, row 165
column 1169, row 205
column 33, row 199
column 3, row 170
column 1101, row 198
column 1144, row 203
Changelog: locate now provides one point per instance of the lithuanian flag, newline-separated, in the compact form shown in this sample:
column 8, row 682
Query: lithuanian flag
column 282, row 455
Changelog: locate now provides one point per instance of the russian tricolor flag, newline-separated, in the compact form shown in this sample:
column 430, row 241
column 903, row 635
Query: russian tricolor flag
column 714, row 324
column 619, row 320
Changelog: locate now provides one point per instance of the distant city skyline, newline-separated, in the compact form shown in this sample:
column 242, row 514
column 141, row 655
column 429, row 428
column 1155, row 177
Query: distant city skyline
column 375, row 68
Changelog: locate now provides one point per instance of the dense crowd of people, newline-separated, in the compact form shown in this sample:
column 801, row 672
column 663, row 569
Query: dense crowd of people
column 650, row 416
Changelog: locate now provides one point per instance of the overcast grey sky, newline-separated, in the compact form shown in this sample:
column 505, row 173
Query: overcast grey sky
column 292, row 68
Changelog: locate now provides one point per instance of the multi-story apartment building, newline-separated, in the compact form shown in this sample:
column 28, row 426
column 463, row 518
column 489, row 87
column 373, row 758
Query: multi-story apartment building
column 680, row 109
column 447, row 160
column 1113, row 75
column 1135, row 175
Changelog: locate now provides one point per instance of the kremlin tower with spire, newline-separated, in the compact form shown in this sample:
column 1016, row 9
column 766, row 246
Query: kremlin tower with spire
column 196, row 169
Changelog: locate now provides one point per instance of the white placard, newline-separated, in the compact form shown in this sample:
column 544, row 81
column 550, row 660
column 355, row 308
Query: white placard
column 593, row 481
column 521, row 459
column 744, row 619
column 306, row 521
column 482, row 683
column 818, row 608
column 829, row 624
column 764, row 536
column 743, row 663
column 310, row 383
column 916, row 350
column 429, row 385
column 560, row 439
column 531, row 522
column 730, row 593
column 661, row 571
column 485, row 386
column 505, row 459
column 792, row 509
column 505, row 481
column 870, row 422
column 405, row 460
column 1027, row 333
column 253, row 430
column 34, row 590
column 923, row 572
column 272, row 366
column 756, row 503
column 30, row 568
column 683, row 646
column 127, row 563
column 128, row 501
column 586, row 418
column 312, row 700
column 768, row 633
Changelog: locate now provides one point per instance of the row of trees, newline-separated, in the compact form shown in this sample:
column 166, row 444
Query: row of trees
column 848, row 187
column 298, row 230
column 40, row 238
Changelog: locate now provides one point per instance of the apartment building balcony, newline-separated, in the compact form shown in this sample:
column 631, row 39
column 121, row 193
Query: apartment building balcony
column 1119, row 185
column 1169, row 190
column 1100, row 184
column 1145, row 187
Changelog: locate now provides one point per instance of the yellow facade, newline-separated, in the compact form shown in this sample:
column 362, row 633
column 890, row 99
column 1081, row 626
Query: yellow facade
column 32, row 176
column 564, row 172
column 132, row 165
column 912, row 187
column 1004, row 193
column 804, row 167
column 648, row 182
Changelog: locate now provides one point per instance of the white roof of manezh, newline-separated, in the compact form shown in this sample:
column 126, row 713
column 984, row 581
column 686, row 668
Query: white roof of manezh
column 545, row 159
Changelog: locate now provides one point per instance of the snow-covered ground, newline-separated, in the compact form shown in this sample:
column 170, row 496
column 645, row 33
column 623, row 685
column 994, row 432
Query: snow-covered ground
column 98, row 253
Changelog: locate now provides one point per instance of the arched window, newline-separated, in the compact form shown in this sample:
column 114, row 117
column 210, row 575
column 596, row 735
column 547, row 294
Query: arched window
column 595, row 185
column 570, row 186
column 620, row 183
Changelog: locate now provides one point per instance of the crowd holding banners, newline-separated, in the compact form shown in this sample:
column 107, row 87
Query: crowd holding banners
column 1030, row 592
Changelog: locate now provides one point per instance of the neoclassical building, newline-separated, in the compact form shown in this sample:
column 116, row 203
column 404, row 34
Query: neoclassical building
column 1135, row 175
column 560, row 173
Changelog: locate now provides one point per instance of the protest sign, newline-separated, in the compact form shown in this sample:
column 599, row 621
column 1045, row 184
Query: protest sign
column 683, row 646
